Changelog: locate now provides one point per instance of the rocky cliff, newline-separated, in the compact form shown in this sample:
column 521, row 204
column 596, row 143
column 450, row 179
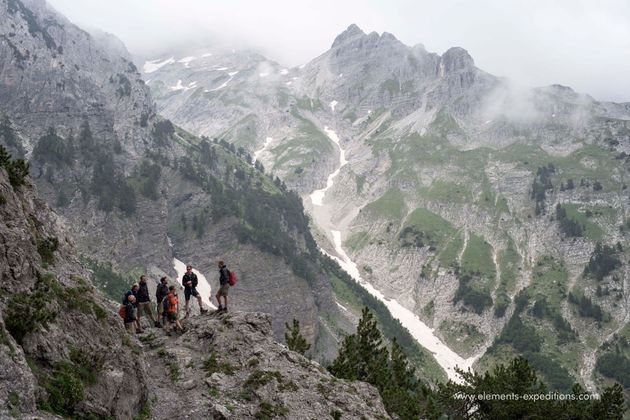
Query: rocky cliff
column 63, row 348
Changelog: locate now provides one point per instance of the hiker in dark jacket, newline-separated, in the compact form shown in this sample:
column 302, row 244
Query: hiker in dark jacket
column 130, row 314
column 189, row 281
column 133, row 292
column 144, row 301
column 160, row 293
column 224, row 286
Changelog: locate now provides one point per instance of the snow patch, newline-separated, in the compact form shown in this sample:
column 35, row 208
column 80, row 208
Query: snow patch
column 206, row 55
column 317, row 196
column 289, row 83
column 341, row 306
column 222, row 68
column 265, row 74
column 340, row 74
column 446, row 357
column 333, row 104
column 186, row 60
column 284, row 72
column 203, row 287
column 233, row 73
column 151, row 66
column 258, row 152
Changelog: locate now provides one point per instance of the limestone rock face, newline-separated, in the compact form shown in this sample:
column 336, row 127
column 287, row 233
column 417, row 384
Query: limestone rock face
column 227, row 366
column 80, row 319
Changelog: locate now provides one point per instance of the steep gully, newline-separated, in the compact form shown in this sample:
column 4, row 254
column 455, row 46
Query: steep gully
column 424, row 335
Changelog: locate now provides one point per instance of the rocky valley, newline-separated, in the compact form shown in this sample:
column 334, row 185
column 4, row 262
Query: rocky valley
column 479, row 222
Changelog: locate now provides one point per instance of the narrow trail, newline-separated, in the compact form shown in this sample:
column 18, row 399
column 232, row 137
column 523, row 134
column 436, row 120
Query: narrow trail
column 424, row 335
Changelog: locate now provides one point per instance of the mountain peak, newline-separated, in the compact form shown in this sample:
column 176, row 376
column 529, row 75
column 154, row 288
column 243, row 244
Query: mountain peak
column 456, row 58
column 352, row 31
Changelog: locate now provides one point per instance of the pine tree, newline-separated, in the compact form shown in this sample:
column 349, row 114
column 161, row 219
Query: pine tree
column 294, row 338
column 362, row 355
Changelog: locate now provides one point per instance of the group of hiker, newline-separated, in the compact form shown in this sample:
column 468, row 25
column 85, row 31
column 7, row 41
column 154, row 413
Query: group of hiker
column 137, row 300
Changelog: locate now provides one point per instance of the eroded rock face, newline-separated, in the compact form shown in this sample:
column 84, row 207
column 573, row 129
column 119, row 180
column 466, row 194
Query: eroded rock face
column 227, row 366
column 80, row 319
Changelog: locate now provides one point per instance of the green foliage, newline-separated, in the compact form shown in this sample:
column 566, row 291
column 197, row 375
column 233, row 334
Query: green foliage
column 9, row 138
column 615, row 365
column 587, row 308
column 363, row 357
column 173, row 371
column 268, row 411
column 294, row 339
column 522, row 337
column 51, row 148
column 390, row 205
column 16, row 169
column 30, row 311
column 124, row 86
column 423, row 227
column 542, row 183
column 110, row 187
column 64, row 388
column 162, row 132
column 149, row 176
column 603, row 261
column 478, row 300
column 568, row 226
column 46, row 248
column 514, row 381
column 87, row 145
column 212, row 365
column 113, row 283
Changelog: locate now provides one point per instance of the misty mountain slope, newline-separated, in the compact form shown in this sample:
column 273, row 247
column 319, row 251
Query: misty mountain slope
column 464, row 197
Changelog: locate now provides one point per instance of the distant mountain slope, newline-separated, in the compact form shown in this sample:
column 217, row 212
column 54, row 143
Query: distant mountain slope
column 497, row 214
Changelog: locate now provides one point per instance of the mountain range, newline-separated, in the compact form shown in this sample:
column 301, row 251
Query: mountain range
column 494, row 215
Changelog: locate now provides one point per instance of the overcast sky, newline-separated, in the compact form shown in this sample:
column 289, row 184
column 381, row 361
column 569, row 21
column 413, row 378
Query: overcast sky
column 582, row 44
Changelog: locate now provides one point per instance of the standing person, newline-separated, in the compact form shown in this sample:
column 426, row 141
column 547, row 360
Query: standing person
column 189, row 281
column 144, row 301
column 133, row 292
column 130, row 314
column 171, row 311
column 160, row 294
column 224, row 286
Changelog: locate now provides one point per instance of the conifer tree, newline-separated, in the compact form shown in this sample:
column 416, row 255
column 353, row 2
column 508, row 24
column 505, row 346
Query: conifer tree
column 294, row 338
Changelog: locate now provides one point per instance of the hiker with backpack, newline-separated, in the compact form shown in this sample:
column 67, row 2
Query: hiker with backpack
column 226, row 278
column 130, row 315
column 190, row 281
column 144, row 301
column 133, row 292
column 160, row 294
column 171, row 310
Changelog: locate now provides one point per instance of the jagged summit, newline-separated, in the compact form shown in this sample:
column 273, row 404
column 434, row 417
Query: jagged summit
column 351, row 32
column 456, row 58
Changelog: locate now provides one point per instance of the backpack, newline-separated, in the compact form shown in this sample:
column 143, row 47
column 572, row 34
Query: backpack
column 122, row 311
column 165, row 303
column 232, row 278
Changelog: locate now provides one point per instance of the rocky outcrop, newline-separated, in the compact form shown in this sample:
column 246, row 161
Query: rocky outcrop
column 54, row 323
column 227, row 366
